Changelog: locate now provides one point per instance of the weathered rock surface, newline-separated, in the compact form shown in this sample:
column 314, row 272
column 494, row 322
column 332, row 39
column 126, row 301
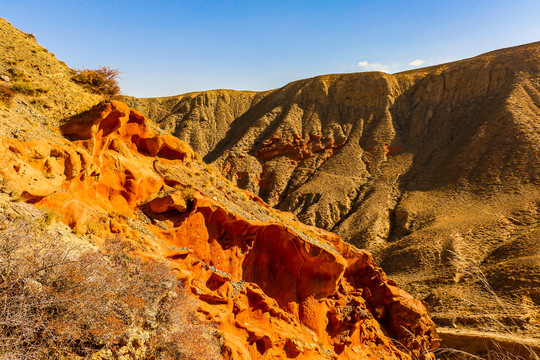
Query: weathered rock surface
column 275, row 287
column 432, row 170
column 201, row 119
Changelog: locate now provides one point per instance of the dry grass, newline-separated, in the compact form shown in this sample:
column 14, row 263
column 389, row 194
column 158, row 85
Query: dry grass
column 498, row 353
column 23, row 84
column 102, row 81
column 447, row 353
column 27, row 87
column 60, row 302
column 495, row 351
column 6, row 94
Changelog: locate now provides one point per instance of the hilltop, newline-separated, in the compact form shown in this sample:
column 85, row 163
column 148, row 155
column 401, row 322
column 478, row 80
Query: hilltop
column 43, row 87
column 436, row 171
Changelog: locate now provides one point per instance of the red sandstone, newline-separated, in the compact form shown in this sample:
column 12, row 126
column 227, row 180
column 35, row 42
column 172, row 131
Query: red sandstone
column 275, row 287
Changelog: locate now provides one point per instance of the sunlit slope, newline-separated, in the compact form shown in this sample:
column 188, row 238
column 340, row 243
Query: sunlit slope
column 419, row 167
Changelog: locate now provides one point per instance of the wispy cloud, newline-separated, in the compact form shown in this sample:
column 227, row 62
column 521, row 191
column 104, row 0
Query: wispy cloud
column 372, row 66
column 416, row 62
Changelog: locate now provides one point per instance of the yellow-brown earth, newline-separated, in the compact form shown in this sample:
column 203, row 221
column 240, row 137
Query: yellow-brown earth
column 436, row 171
column 274, row 287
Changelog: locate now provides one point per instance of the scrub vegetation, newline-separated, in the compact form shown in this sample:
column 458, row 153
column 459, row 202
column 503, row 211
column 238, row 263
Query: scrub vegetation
column 57, row 301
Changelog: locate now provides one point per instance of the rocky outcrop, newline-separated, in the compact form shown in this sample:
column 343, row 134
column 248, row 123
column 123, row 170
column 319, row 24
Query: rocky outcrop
column 421, row 168
column 276, row 288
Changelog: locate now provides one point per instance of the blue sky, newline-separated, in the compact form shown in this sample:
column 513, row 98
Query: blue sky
column 172, row 47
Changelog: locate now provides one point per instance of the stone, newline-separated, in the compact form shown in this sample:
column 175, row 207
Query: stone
column 259, row 274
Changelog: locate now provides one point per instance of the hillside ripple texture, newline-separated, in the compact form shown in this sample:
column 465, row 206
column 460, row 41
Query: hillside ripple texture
column 432, row 170
column 274, row 287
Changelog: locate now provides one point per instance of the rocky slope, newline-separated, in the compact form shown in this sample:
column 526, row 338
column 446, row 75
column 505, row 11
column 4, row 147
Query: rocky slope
column 42, row 87
column 436, row 171
column 276, row 288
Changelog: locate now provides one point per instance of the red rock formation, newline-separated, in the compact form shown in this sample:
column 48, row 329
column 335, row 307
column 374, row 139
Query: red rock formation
column 295, row 147
column 275, row 160
column 275, row 287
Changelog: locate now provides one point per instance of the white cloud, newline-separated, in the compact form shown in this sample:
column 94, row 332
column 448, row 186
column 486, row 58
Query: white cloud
column 416, row 62
column 372, row 66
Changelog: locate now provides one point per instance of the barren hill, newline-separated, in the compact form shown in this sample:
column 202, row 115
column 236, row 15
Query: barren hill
column 436, row 171
column 273, row 286
column 263, row 284
column 41, row 85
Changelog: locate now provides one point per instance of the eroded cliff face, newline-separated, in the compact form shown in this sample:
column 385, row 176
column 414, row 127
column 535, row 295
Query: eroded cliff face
column 201, row 119
column 276, row 288
column 424, row 168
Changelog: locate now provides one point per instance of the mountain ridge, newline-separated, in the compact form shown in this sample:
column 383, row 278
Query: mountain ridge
column 419, row 167
column 255, row 281
column 435, row 172
column 274, row 286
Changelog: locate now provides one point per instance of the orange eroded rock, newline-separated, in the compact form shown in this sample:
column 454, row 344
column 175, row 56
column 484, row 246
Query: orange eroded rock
column 275, row 287
column 295, row 147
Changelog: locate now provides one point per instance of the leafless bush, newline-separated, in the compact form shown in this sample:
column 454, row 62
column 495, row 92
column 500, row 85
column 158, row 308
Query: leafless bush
column 56, row 301
column 184, row 337
column 103, row 81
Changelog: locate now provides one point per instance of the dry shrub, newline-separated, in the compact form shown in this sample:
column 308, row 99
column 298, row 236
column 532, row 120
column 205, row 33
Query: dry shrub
column 60, row 302
column 185, row 337
column 103, row 81
column 6, row 94
column 494, row 351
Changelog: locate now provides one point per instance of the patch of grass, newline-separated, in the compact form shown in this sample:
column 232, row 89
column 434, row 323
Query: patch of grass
column 23, row 85
column 189, row 193
column 209, row 168
column 102, row 81
column 27, row 87
column 198, row 158
column 17, row 74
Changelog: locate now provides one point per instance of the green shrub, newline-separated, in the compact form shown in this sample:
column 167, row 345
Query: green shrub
column 103, row 81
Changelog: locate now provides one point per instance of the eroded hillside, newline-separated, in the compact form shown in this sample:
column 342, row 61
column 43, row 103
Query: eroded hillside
column 276, row 288
column 436, row 171
column 41, row 85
